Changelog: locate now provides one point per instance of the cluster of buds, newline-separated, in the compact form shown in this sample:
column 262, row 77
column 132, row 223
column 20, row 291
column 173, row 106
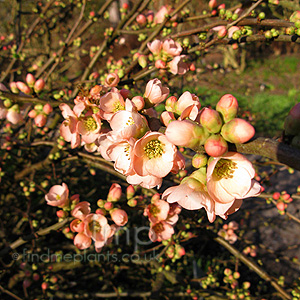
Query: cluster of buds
column 250, row 250
column 88, row 226
column 27, row 88
column 40, row 113
column 227, row 232
column 282, row 200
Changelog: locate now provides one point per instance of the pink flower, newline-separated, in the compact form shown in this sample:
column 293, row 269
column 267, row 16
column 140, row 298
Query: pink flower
column 97, row 228
column 89, row 127
column 153, row 155
column 148, row 181
column 160, row 231
column 81, row 210
column 171, row 47
column 119, row 216
column 230, row 177
column 155, row 46
column 82, row 241
column 112, row 80
column 178, row 66
column 58, row 195
column 110, row 103
column 157, row 211
column 155, row 93
column 185, row 100
column 160, row 15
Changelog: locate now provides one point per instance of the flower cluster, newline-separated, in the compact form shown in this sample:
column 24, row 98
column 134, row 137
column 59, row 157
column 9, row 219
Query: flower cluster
column 227, row 232
column 162, row 217
column 88, row 226
column 167, row 55
column 126, row 130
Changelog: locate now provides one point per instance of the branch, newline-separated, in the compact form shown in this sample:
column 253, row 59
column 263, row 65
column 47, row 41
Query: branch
column 36, row 235
column 254, row 267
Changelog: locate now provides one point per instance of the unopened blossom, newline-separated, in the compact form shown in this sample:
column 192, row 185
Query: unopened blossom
column 82, row 241
column 58, row 195
column 141, row 19
column 237, row 131
column 119, row 216
column 211, row 120
column 23, row 87
column 47, row 108
column 186, row 133
column 39, row 85
column 227, row 107
column 155, row 93
column 230, row 177
column 40, row 120
column 139, row 102
column 160, row 15
column 30, row 80
column 215, row 145
column 115, row 193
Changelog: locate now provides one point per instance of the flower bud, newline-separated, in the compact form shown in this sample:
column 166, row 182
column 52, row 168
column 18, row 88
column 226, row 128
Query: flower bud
column 130, row 191
column 186, row 133
column 141, row 19
column 227, row 107
column 170, row 103
column 211, row 120
column 142, row 60
column 155, row 93
column 115, row 193
column 112, row 80
column 292, row 121
column 215, row 145
column 32, row 114
column 14, row 88
column 119, row 216
column 199, row 160
column 30, row 80
column 40, row 120
column 23, row 87
column 139, row 102
column 212, row 4
column 47, row 109
column 108, row 205
column 159, row 64
column 222, row 32
column 39, row 85
column 237, row 131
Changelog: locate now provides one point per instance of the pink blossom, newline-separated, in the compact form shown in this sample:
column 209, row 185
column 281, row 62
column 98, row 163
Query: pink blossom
column 155, row 46
column 231, row 30
column 77, row 225
column 112, row 80
column 58, row 195
column 155, row 92
column 185, row 100
column 141, row 19
column 82, row 241
column 153, row 155
column 139, row 102
column 39, row 85
column 110, row 103
column 230, row 177
column 171, row 47
column 81, row 210
column 178, row 66
column 89, row 127
column 160, row 15
column 147, row 181
column 160, row 231
column 119, row 216
column 157, row 211
column 166, row 117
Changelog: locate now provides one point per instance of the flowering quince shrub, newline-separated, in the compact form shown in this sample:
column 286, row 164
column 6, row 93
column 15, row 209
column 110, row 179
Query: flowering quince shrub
column 114, row 164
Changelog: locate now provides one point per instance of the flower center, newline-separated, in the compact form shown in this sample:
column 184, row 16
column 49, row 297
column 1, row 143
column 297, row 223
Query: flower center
column 127, row 151
column 224, row 169
column 118, row 106
column 94, row 226
column 130, row 121
column 158, row 227
column 90, row 124
column 154, row 210
column 154, row 149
